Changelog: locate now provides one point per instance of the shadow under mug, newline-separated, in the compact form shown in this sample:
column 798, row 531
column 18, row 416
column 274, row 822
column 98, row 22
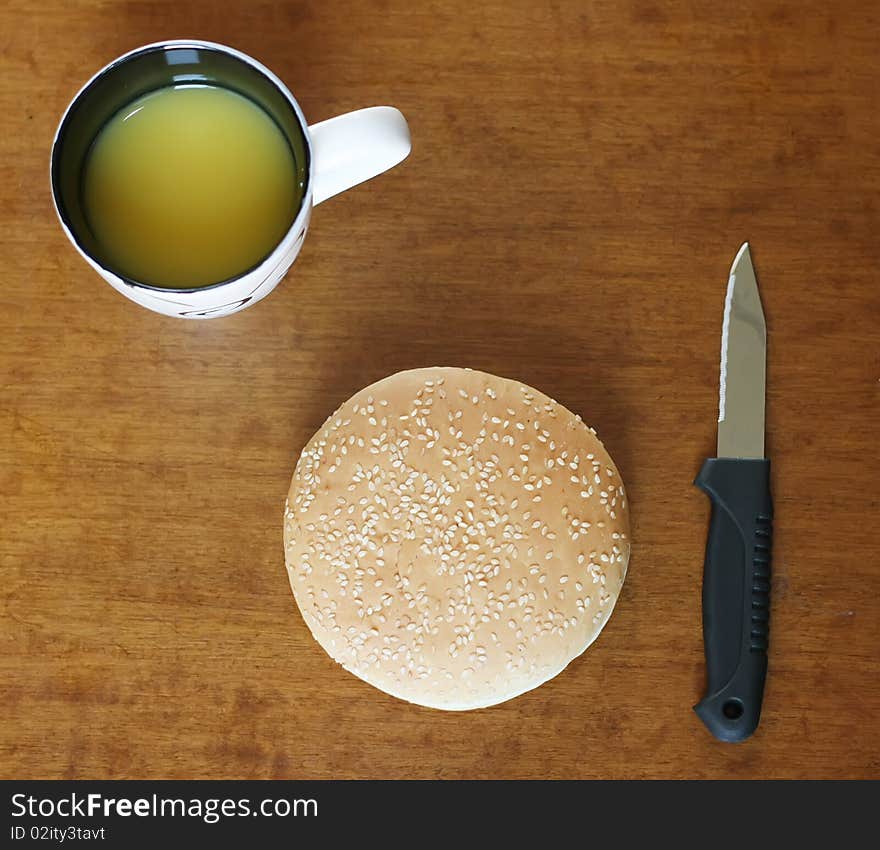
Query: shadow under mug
column 329, row 157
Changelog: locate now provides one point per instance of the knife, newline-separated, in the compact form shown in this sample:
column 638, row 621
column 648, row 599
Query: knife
column 736, row 572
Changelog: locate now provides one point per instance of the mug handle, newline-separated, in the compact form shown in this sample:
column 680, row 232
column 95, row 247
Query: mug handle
column 356, row 146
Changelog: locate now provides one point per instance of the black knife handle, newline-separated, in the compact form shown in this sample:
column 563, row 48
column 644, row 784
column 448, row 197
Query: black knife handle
column 736, row 594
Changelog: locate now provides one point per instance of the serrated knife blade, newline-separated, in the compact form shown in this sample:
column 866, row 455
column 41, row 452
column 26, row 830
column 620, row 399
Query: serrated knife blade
column 742, row 387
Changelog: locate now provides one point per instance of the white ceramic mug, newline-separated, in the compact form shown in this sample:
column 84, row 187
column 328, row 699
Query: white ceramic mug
column 331, row 156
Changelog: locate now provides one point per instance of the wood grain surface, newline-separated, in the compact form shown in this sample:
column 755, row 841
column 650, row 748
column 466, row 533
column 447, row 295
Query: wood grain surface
column 581, row 178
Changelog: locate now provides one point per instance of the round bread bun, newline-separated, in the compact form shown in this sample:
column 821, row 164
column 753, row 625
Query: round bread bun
column 455, row 538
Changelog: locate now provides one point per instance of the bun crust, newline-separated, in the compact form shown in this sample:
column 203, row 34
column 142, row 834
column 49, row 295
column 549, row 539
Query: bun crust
column 455, row 538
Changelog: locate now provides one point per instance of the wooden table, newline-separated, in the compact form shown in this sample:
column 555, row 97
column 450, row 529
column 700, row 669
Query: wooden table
column 581, row 178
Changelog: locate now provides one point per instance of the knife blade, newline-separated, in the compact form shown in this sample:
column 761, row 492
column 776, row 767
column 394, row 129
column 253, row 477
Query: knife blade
column 736, row 570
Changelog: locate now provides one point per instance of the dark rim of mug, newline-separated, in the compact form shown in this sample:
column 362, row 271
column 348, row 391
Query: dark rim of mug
column 71, row 109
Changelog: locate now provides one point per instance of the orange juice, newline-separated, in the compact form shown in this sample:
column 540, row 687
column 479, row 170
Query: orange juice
column 188, row 186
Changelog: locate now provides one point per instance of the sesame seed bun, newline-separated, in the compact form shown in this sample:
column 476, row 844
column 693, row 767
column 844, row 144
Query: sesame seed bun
column 455, row 538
